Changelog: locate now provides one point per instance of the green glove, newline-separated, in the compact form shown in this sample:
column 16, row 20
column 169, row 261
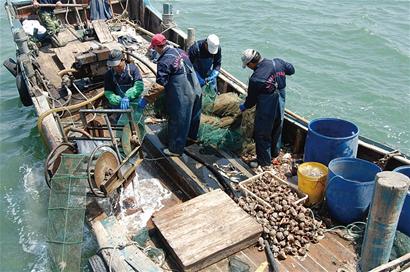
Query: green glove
column 113, row 99
column 135, row 91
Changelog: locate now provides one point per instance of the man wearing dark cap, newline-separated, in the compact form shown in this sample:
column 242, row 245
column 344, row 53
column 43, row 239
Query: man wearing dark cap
column 266, row 90
column 176, row 76
column 122, row 82
column 206, row 57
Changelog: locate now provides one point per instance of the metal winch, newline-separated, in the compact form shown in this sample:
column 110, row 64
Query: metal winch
column 109, row 154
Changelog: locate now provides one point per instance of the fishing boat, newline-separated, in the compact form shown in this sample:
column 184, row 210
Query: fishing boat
column 92, row 159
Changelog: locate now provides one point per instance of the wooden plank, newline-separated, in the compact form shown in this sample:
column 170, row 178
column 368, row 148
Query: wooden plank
column 110, row 255
column 345, row 245
column 188, row 210
column 329, row 254
column 323, row 257
column 66, row 55
column 341, row 253
column 206, row 229
column 131, row 254
column 66, row 36
column 102, row 31
column 309, row 264
column 394, row 263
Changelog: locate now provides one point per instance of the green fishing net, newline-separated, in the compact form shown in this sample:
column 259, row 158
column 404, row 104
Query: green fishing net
column 222, row 123
column 401, row 245
column 139, row 119
column 66, row 210
column 141, row 237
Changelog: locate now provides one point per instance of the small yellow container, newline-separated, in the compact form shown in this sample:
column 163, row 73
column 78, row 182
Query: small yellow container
column 312, row 178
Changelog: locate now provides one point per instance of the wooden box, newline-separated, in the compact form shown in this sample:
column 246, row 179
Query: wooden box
column 206, row 229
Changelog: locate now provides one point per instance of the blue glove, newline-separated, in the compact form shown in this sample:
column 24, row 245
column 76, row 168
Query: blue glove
column 125, row 103
column 142, row 103
column 242, row 107
column 200, row 79
column 214, row 74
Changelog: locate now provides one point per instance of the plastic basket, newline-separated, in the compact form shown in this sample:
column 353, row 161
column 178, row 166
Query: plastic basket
column 242, row 186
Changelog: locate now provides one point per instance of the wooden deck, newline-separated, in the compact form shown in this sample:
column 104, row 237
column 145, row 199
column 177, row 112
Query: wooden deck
column 332, row 253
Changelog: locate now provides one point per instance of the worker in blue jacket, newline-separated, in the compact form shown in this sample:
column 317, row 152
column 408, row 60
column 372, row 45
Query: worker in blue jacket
column 266, row 90
column 206, row 57
column 122, row 82
column 176, row 77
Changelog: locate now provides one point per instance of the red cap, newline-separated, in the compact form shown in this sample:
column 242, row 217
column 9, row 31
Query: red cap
column 158, row 39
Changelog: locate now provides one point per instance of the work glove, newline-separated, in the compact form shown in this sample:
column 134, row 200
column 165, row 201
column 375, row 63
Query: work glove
column 142, row 103
column 200, row 79
column 124, row 103
column 242, row 107
column 212, row 76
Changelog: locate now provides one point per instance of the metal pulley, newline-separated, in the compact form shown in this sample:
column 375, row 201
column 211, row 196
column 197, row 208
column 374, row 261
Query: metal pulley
column 54, row 159
column 102, row 164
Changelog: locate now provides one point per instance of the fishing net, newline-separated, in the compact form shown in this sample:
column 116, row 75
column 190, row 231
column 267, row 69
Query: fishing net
column 222, row 123
column 66, row 210
column 401, row 245
column 139, row 119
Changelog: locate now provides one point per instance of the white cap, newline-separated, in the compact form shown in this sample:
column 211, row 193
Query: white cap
column 247, row 56
column 213, row 44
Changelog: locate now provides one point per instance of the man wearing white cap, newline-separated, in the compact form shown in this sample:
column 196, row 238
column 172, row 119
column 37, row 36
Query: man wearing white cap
column 266, row 90
column 206, row 57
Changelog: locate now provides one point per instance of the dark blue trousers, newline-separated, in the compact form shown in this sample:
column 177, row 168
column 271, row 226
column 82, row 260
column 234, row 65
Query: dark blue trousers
column 183, row 102
column 270, row 109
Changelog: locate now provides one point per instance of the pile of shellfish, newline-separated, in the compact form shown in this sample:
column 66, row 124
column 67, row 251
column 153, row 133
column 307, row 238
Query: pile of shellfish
column 287, row 225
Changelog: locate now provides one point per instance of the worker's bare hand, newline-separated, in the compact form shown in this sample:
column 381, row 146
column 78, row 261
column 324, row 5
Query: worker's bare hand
column 59, row 4
column 36, row 4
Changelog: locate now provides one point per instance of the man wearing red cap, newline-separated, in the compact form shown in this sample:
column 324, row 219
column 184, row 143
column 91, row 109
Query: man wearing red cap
column 176, row 76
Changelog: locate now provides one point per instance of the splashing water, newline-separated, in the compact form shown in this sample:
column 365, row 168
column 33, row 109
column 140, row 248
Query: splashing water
column 140, row 200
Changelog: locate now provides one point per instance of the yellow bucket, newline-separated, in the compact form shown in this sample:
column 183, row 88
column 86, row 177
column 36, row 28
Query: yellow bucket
column 312, row 178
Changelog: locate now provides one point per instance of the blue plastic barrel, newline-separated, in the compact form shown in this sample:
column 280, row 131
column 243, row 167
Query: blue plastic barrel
column 330, row 138
column 404, row 220
column 349, row 189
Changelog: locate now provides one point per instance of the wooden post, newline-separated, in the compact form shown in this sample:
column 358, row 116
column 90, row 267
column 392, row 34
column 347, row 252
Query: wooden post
column 388, row 198
column 191, row 37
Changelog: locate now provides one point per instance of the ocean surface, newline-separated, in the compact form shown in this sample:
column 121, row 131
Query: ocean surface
column 352, row 61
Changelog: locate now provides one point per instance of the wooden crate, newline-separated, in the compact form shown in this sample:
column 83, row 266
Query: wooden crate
column 206, row 229
column 242, row 185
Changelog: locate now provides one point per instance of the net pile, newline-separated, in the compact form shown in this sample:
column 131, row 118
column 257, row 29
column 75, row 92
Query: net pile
column 222, row 123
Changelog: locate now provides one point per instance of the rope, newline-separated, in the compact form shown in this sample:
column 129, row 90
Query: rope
column 353, row 231
column 71, row 107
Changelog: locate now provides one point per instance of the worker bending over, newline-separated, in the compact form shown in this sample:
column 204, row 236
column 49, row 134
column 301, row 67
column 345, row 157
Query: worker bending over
column 266, row 90
column 122, row 82
column 206, row 57
column 176, row 76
